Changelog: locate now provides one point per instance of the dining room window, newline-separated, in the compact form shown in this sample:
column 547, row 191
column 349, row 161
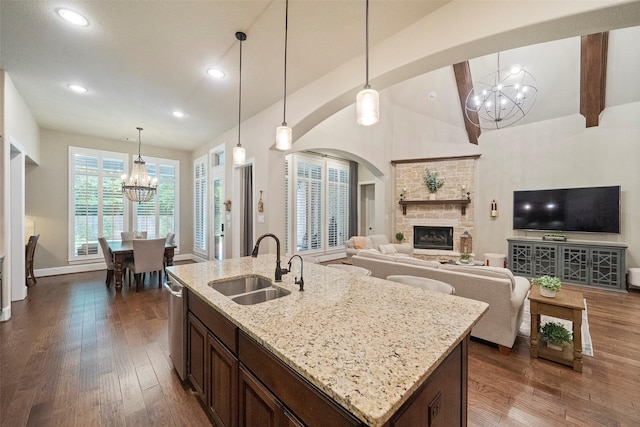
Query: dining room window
column 159, row 216
column 97, row 207
column 96, row 203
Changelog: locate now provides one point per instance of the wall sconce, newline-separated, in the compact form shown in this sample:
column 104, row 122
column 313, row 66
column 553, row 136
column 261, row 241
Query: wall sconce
column 260, row 203
column 227, row 205
column 494, row 209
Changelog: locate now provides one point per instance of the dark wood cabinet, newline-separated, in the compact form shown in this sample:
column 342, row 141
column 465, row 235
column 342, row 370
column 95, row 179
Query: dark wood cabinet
column 196, row 351
column 243, row 384
column 222, row 392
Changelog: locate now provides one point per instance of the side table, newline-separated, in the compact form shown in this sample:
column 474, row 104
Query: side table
column 566, row 305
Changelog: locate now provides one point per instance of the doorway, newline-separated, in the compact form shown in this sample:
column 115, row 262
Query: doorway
column 367, row 208
column 17, row 211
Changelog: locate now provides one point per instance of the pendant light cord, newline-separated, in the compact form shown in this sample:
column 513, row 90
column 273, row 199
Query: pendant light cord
column 286, row 32
column 242, row 37
column 366, row 86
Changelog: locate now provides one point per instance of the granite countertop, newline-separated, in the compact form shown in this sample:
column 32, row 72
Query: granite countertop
column 367, row 343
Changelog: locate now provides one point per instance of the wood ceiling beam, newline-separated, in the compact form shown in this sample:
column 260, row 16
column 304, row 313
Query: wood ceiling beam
column 593, row 76
column 465, row 86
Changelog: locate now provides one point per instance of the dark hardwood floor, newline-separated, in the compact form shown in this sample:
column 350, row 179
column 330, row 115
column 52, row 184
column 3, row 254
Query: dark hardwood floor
column 76, row 354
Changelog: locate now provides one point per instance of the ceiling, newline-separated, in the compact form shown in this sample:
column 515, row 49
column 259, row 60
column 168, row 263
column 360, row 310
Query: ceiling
column 141, row 60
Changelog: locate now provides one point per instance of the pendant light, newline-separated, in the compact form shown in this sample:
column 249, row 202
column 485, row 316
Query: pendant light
column 239, row 153
column 284, row 135
column 368, row 100
column 139, row 187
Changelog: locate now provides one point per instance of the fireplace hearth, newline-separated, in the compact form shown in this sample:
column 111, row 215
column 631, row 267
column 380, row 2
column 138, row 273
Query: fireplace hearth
column 426, row 237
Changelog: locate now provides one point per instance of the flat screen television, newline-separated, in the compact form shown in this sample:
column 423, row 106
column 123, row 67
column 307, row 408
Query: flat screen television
column 590, row 209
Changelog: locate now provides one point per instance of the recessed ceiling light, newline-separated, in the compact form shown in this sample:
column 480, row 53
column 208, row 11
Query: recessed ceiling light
column 178, row 114
column 73, row 17
column 78, row 88
column 216, row 73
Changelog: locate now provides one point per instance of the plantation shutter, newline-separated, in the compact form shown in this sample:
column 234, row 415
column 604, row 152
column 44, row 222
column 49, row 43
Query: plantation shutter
column 200, row 205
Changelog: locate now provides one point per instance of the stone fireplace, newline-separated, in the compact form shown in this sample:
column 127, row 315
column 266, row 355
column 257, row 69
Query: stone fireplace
column 428, row 237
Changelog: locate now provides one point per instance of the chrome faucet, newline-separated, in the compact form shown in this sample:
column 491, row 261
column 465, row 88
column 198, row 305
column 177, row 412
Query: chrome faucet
column 279, row 271
column 296, row 281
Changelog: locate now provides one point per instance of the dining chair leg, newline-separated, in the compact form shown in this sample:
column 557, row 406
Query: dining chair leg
column 109, row 277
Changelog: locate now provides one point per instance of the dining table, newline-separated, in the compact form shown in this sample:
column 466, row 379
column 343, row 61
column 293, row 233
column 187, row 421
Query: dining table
column 121, row 249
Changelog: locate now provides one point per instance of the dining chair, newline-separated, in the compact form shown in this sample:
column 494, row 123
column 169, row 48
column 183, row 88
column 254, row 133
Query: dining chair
column 170, row 240
column 30, row 251
column 108, row 260
column 128, row 236
column 148, row 256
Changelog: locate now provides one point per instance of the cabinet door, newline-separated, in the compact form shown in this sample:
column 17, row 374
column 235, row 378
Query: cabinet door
column 196, row 342
column 258, row 407
column 545, row 260
column 605, row 268
column 222, row 392
column 575, row 264
column 520, row 259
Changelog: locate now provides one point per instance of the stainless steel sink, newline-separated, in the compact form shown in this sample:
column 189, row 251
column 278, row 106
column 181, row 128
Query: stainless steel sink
column 241, row 285
column 260, row 296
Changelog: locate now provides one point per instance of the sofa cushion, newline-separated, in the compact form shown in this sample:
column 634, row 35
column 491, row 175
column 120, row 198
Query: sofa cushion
column 359, row 242
column 372, row 253
column 377, row 240
column 387, row 249
column 497, row 272
column 419, row 262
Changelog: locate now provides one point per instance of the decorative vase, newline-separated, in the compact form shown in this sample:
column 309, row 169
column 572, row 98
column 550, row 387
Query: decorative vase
column 547, row 292
column 432, row 196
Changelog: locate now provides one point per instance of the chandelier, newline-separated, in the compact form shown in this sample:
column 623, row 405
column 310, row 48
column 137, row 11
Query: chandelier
column 502, row 98
column 139, row 187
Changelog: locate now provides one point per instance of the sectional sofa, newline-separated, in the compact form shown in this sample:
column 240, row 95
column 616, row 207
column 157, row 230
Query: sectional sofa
column 504, row 292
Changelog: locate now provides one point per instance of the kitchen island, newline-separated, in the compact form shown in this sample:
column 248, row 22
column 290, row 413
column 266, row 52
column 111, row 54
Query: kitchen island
column 362, row 350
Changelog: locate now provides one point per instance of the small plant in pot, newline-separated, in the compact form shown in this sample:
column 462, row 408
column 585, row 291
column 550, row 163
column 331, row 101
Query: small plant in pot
column 549, row 285
column 555, row 335
column 465, row 257
column 399, row 237
column 432, row 182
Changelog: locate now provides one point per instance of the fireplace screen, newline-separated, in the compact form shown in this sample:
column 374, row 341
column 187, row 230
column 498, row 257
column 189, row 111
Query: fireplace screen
column 432, row 237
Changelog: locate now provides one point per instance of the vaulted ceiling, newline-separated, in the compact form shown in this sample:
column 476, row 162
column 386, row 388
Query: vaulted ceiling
column 142, row 60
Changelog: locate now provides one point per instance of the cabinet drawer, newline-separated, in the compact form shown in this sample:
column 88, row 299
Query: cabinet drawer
column 303, row 399
column 219, row 325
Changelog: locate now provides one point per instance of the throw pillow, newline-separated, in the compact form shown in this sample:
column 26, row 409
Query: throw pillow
column 387, row 249
column 359, row 242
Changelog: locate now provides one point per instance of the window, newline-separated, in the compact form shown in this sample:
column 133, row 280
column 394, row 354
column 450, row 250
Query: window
column 200, row 206
column 159, row 216
column 320, row 203
column 96, row 203
column 97, row 207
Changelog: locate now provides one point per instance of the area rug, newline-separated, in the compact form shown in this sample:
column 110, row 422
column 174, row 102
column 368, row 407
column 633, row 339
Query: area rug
column 587, row 345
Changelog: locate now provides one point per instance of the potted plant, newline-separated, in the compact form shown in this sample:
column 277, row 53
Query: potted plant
column 465, row 257
column 549, row 285
column 432, row 182
column 399, row 237
column 555, row 335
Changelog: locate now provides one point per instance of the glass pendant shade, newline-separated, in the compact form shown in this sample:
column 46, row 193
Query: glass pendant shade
column 239, row 155
column 283, row 137
column 367, row 107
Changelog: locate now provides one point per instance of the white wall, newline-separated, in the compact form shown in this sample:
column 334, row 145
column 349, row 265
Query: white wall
column 558, row 154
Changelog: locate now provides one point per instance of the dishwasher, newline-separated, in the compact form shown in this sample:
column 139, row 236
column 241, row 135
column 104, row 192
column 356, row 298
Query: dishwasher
column 177, row 327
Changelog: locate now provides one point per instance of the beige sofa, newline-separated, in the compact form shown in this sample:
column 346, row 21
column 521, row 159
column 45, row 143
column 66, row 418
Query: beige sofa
column 374, row 242
column 496, row 286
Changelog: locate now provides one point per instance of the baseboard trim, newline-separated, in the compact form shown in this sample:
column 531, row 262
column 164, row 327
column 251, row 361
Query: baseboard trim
column 5, row 314
column 83, row 268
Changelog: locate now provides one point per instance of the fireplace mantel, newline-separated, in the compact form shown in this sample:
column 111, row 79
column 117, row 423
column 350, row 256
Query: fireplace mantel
column 462, row 202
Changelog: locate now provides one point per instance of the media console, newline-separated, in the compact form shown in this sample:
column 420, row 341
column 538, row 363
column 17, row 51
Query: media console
column 597, row 264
